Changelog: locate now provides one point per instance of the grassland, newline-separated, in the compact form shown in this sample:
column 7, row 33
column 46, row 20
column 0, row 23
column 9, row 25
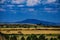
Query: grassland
column 30, row 30
column 24, row 30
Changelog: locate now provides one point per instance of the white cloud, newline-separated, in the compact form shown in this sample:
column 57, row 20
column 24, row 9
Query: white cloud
column 20, row 5
column 13, row 11
column 1, row 9
column 51, row 1
column 2, row 1
column 10, row 6
column 50, row 10
column 31, row 9
column 18, row 1
column 32, row 2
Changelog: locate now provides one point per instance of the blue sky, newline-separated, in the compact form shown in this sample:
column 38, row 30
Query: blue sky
column 43, row 10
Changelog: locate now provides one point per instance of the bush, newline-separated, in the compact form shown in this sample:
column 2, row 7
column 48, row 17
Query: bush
column 22, row 38
column 59, row 37
column 42, row 37
column 53, row 39
column 28, row 38
column 34, row 37
column 13, row 38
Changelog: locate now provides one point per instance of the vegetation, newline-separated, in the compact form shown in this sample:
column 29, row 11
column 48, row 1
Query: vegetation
column 22, row 38
column 53, row 39
column 42, row 37
column 13, row 38
column 25, row 26
column 59, row 37
column 31, row 37
column 34, row 37
column 28, row 38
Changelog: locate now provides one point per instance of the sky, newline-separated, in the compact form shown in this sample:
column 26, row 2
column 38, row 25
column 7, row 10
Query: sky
column 18, row 10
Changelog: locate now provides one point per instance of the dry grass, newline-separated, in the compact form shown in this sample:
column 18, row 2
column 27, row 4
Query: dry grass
column 30, row 30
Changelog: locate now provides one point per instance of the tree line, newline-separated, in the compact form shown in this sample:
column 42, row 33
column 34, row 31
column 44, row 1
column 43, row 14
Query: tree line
column 32, row 37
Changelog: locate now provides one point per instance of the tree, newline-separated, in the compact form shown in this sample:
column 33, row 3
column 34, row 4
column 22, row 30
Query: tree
column 42, row 37
column 46, row 39
column 13, row 38
column 34, row 37
column 7, row 37
column 2, row 36
column 53, row 39
column 59, row 37
column 28, row 38
column 35, row 26
column 22, row 38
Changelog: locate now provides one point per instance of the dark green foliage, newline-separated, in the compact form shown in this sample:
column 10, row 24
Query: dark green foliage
column 59, row 37
column 46, row 39
column 34, row 37
column 22, row 38
column 53, row 39
column 13, row 38
column 42, row 37
column 35, row 26
column 7, row 37
column 28, row 38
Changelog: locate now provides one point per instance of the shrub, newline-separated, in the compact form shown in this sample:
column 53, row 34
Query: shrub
column 22, row 38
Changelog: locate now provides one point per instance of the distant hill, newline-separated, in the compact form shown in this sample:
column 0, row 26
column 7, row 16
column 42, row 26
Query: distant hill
column 35, row 21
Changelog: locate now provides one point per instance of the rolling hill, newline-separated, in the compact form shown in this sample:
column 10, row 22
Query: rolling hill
column 35, row 21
